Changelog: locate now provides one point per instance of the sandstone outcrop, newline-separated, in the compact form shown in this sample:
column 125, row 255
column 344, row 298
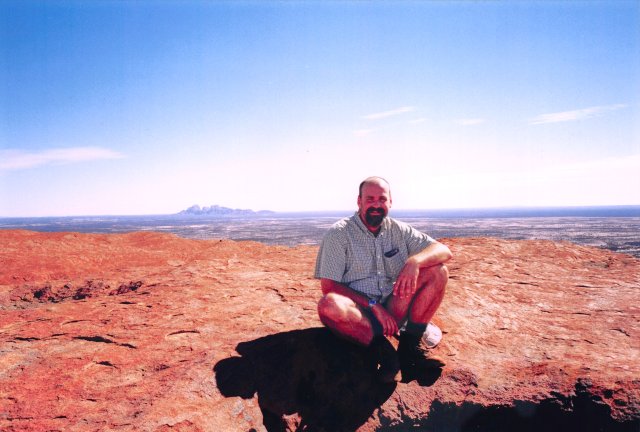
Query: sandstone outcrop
column 220, row 211
column 148, row 331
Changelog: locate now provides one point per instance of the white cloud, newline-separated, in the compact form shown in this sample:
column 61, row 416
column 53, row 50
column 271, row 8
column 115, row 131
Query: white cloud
column 610, row 167
column 575, row 115
column 11, row 160
column 470, row 121
column 606, row 181
column 363, row 132
column 391, row 113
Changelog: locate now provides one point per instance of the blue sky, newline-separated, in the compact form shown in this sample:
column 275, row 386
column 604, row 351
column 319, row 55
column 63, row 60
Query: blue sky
column 148, row 107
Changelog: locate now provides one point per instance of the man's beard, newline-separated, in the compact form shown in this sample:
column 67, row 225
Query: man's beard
column 374, row 220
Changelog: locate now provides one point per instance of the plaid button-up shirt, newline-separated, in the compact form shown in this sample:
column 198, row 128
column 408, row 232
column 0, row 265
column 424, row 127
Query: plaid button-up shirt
column 353, row 255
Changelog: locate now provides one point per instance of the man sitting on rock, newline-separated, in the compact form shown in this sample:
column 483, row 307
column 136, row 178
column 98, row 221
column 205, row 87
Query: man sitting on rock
column 381, row 277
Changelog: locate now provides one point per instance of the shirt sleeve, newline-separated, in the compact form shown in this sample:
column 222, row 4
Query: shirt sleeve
column 417, row 240
column 332, row 256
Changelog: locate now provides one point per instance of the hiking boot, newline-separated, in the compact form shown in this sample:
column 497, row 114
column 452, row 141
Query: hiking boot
column 387, row 360
column 414, row 353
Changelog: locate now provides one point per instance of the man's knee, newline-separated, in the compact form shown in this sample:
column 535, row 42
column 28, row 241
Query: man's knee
column 443, row 273
column 437, row 276
column 438, row 273
column 331, row 304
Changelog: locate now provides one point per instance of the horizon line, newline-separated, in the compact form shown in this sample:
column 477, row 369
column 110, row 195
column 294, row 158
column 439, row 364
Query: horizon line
column 349, row 211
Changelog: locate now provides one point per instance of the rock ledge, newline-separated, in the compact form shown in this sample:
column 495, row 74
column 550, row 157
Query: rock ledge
column 148, row 331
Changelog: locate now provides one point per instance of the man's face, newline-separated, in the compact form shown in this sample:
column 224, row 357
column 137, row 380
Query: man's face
column 374, row 204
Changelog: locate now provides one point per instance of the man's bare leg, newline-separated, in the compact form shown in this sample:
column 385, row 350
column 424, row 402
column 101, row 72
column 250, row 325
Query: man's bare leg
column 341, row 315
column 432, row 282
column 413, row 352
column 344, row 317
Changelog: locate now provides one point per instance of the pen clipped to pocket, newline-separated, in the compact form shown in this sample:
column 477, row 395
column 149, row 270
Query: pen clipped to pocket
column 391, row 253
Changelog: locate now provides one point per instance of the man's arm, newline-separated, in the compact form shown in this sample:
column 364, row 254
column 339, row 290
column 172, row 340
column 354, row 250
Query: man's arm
column 389, row 325
column 434, row 254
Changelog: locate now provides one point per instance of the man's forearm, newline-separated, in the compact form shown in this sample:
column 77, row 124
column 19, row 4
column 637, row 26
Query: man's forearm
column 434, row 254
column 329, row 285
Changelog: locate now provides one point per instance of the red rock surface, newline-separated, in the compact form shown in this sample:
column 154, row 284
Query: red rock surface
column 148, row 331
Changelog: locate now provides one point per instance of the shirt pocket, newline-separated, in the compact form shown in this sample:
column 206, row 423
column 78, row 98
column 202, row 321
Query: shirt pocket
column 394, row 259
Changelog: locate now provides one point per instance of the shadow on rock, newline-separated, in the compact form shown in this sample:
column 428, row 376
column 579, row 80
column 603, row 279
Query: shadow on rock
column 425, row 378
column 305, row 379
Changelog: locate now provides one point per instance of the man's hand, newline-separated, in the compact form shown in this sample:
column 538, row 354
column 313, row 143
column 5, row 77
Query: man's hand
column 407, row 281
column 389, row 325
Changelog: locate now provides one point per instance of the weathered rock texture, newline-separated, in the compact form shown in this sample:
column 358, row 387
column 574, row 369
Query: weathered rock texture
column 152, row 332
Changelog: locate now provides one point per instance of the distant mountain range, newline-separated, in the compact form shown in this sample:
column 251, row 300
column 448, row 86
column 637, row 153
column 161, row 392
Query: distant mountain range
column 216, row 210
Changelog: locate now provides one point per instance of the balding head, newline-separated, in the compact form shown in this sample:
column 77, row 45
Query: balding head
column 374, row 180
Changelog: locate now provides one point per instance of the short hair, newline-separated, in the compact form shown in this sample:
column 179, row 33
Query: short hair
column 372, row 180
